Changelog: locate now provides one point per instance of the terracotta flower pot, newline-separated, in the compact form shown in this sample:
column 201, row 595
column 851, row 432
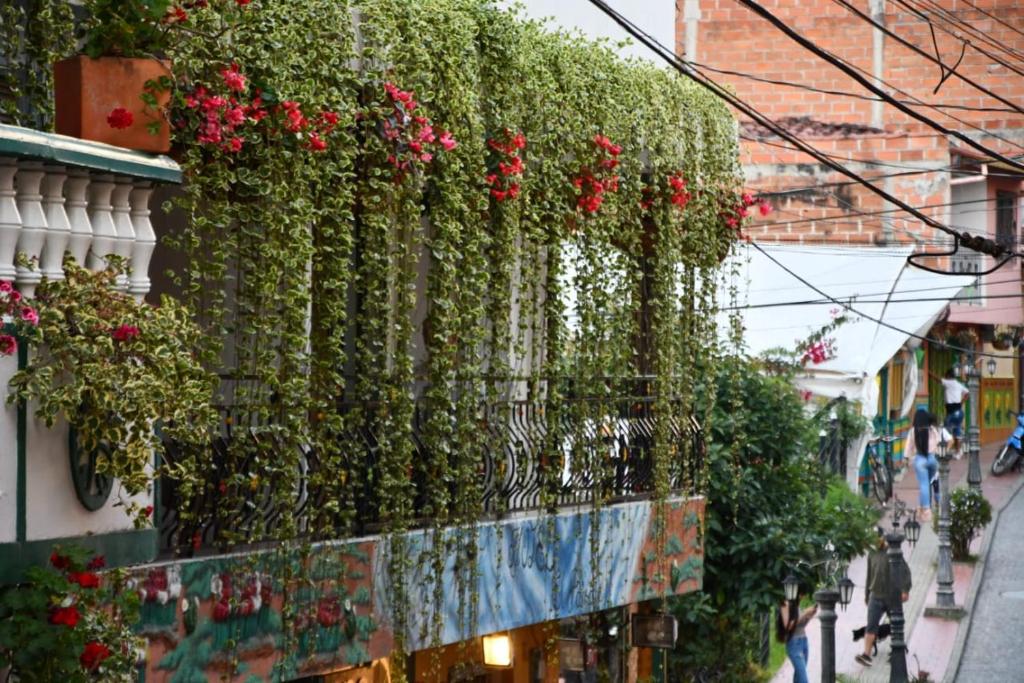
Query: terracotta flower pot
column 88, row 90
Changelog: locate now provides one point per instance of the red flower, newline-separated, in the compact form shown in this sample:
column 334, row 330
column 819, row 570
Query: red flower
column 221, row 610
column 98, row 562
column 242, row 3
column 60, row 561
column 764, row 207
column 125, row 333
column 85, row 579
column 148, row 511
column 65, row 616
column 748, row 199
column 513, row 190
column 176, row 15
column 234, row 144
column 93, row 655
column 317, row 143
column 491, row 178
column 120, row 118
column 233, row 79
column 498, row 194
column 447, row 141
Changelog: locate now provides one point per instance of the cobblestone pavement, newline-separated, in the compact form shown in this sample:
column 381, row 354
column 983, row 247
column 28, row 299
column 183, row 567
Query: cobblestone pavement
column 994, row 636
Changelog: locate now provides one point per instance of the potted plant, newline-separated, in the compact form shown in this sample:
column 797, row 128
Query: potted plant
column 116, row 90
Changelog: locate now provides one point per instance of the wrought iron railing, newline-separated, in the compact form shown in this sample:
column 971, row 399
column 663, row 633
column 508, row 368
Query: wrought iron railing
column 581, row 450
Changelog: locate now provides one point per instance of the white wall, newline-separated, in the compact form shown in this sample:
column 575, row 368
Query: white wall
column 656, row 17
column 8, row 453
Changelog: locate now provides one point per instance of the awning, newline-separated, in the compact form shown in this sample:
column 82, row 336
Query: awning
column 896, row 301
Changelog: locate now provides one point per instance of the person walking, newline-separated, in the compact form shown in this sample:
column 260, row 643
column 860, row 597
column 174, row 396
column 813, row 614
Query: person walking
column 878, row 593
column 922, row 445
column 954, row 392
column 790, row 628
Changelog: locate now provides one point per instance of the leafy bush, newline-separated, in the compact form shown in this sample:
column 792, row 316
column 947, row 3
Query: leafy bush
column 969, row 511
column 69, row 623
column 770, row 505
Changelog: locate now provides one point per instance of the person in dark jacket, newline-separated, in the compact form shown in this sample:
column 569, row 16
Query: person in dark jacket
column 878, row 592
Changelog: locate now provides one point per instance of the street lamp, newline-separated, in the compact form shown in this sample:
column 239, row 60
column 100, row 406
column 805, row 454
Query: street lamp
column 898, row 657
column 840, row 592
column 970, row 366
column 945, row 601
column 991, row 365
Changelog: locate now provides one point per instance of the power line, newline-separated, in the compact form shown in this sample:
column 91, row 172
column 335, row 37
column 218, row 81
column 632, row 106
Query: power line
column 878, row 321
column 973, row 242
column 942, row 15
column 880, row 212
column 992, row 16
column 857, row 299
column 866, row 83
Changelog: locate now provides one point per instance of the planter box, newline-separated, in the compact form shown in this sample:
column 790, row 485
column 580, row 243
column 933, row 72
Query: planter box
column 86, row 90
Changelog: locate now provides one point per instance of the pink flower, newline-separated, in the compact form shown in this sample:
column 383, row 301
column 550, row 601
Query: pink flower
column 234, row 144
column 426, row 157
column 29, row 315
column 805, row 395
column 764, row 207
column 120, row 118
column 5, row 287
column 747, row 199
column 125, row 333
column 235, row 116
column 8, row 345
column 447, row 141
column 233, row 79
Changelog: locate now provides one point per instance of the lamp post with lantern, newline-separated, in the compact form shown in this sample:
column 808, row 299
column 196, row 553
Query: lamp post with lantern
column 898, row 657
column 835, row 591
column 945, row 600
column 973, row 372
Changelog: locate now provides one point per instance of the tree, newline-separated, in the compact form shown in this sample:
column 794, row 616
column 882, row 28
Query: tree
column 770, row 505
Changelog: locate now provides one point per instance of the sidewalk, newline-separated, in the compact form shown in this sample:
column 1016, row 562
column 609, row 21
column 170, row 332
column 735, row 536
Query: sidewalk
column 932, row 643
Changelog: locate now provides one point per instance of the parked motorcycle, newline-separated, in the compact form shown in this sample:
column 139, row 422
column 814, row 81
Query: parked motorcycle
column 1009, row 454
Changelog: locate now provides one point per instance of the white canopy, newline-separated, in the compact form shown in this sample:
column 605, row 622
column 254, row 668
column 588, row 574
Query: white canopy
column 896, row 301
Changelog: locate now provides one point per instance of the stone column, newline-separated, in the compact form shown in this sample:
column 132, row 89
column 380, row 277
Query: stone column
column 974, row 432
column 76, row 189
column 10, row 219
column 945, row 600
column 58, row 230
column 28, row 180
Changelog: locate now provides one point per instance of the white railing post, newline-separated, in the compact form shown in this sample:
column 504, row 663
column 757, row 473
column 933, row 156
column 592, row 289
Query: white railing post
column 104, row 234
column 10, row 219
column 76, row 190
column 119, row 200
column 145, row 240
column 33, row 224
column 58, row 228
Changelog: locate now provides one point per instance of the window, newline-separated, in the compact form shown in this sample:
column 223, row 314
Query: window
column 1006, row 219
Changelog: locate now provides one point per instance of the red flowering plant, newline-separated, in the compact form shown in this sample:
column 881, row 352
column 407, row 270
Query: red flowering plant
column 69, row 622
column 597, row 176
column 113, row 368
column 738, row 207
column 14, row 313
column 232, row 112
column 505, row 167
column 410, row 138
column 673, row 190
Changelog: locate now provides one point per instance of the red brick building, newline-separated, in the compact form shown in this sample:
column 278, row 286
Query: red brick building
column 954, row 183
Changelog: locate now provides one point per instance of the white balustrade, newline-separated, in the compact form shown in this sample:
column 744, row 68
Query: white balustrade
column 50, row 210
column 10, row 219
column 32, row 235
column 119, row 200
column 104, row 233
column 58, row 228
column 145, row 240
column 76, row 190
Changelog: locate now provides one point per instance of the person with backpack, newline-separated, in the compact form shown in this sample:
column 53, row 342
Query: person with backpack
column 878, row 593
column 790, row 628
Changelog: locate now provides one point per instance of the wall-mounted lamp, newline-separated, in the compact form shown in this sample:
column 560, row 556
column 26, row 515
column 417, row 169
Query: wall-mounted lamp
column 498, row 650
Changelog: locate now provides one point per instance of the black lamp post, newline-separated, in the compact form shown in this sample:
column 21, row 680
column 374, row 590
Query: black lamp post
column 945, row 601
column 840, row 592
column 898, row 658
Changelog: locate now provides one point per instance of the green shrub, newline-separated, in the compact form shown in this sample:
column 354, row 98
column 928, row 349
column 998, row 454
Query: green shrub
column 969, row 511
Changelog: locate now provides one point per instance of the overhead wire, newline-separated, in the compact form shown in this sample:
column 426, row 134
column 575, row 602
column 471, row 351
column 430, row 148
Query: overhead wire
column 974, row 242
column 944, row 16
column 992, row 16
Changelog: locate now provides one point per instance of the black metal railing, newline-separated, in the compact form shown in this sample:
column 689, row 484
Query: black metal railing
column 531, row 455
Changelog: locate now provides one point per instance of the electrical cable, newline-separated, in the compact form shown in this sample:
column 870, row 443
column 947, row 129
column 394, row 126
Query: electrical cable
column 906, row 43
column 974, row 242
column 992, row 16
column 866, row 83
column 860, row 314
column 941, row 13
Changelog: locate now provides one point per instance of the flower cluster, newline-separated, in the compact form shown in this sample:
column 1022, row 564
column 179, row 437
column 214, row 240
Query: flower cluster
column 819, row 351
column 412, row 137
column 13, row 310
column 599, row 177
column 505, row 176
column 675, row 192
column 234, row 112
column 743, row 208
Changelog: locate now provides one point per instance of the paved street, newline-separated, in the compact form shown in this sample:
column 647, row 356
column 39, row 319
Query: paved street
column 992, row 651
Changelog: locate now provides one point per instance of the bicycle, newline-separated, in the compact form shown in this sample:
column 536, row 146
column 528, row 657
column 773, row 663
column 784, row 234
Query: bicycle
column 881, row 467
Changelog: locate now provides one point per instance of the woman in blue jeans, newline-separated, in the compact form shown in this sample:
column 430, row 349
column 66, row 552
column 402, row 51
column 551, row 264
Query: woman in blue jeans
column 922, row 445
column 790, row 625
